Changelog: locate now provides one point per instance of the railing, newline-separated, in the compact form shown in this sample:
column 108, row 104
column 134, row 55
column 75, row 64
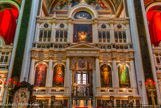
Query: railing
column 51, row 90
column 46, row 45
column 116, row 91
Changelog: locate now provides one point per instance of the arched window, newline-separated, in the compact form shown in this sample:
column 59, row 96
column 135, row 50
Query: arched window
column 124, row 79
column 106, row 76
column 45, row 33
column 1, row 41
column 59, row 75
column 40, row 75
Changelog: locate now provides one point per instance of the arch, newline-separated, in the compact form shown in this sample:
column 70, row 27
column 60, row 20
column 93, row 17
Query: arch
column 85, row 8
column 42, row 62
column 12, row 3
column 153, row 5
column 154, row 21
column 8, row 16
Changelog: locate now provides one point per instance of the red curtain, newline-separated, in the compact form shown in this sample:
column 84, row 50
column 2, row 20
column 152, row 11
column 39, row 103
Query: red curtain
column 8, row 24
column 154, row 18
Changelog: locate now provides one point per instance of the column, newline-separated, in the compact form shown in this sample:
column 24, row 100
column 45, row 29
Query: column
column 138, row 58
column 49, row 77
column 115, row 77
column 53, row 32
column 132, row 75
column 29, row 40
column 150, row 51
column 37, row 32
column 32, row 72
column 112, row 36
column 67, row 75
column 95, row 31
column 70, row 32
column 98, row 82
column 128, row 35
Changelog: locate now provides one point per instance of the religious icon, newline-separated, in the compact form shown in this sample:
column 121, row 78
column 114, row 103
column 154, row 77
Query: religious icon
column 82, row 32
column 40, row 77
column 106, row 75
column 59, row 75
column 124, row 75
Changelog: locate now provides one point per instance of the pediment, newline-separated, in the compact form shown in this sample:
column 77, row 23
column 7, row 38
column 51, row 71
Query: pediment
column 83, row 46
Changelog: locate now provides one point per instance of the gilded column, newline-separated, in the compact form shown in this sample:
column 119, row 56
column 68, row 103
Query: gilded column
column 32, row 72
column 115, row 77
column 50, row 74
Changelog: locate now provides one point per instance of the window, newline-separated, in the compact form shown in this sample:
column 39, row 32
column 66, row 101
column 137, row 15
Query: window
column 120, row 37
column 45, row 36
column 4, row 56
column 104, row 36
column 61, row 33
column 81, row 78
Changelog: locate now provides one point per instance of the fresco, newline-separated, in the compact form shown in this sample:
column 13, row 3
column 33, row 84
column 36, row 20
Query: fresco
column 66, row 4
column 82, row 32
column 98, row 4
column 82, row 15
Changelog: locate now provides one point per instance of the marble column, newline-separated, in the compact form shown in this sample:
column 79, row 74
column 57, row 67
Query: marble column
column 70, row 31
column 95, row 32
column 53, row 32
column 37, row 33
column 128, row 35
column 29, row 40
column 67, row 75
column 132, row 75
column 112, row 36
column 49, row 79
column 97, row 77
column 138, row 58
column 115, row 77
column 32, row 72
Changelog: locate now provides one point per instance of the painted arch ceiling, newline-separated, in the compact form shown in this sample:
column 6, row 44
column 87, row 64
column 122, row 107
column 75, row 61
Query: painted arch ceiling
column 114, row 3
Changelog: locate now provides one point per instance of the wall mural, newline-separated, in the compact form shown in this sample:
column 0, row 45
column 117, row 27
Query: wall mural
column 124, row 76
column 40, row 76
column 106, row 76
column 98, row 4
column 82, row 15
column 82, row 32
column 66, row 4
column 59, row 75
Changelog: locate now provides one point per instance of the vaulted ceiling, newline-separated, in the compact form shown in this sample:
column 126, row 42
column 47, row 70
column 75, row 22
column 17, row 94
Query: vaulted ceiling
column 113, row 3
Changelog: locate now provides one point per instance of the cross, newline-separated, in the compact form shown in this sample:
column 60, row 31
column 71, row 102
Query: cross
column 24, row 78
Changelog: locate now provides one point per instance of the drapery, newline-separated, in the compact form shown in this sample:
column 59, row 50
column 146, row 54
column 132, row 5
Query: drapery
column 8, row 24
column 154, row 19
